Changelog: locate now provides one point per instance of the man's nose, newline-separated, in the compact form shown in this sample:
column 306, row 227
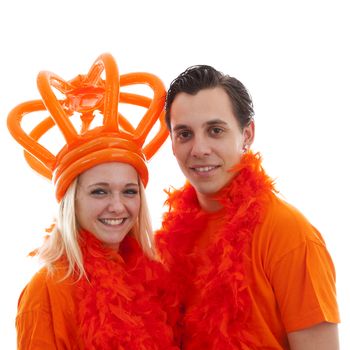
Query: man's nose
column 200, row 147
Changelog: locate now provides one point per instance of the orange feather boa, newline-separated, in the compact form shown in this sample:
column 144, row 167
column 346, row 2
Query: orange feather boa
column 120, row 306
column 215, row 317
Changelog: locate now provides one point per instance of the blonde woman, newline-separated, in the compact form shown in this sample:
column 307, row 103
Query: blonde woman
column 100, row 287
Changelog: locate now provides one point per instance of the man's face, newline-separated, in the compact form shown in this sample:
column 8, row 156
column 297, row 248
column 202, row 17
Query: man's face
column 207, row 140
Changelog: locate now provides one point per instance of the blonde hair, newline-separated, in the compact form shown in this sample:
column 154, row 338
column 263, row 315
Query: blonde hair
column 64, row 239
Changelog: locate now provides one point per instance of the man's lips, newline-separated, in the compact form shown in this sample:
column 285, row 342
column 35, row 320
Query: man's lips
column 202, row 169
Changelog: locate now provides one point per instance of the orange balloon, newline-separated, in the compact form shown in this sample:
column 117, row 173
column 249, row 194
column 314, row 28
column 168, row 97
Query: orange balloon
column 88, row 96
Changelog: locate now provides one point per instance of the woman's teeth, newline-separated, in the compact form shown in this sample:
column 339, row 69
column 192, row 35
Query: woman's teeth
column 112, row 222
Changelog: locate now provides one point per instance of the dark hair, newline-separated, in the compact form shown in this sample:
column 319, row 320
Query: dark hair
column 200, row 77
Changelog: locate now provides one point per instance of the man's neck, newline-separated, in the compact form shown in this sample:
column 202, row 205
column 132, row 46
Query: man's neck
column 208, row 203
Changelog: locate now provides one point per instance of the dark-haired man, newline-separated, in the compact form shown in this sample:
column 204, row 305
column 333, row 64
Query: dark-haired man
column 252, row 272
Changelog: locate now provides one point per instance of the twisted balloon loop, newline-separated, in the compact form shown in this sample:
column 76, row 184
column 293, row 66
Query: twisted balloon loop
column 88, row 96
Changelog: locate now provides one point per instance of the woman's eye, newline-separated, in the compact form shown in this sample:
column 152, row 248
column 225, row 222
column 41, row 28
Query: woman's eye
column 131, row 192
column 98, row 192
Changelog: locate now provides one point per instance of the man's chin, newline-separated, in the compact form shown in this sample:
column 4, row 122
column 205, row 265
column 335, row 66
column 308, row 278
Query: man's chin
column 210, row 189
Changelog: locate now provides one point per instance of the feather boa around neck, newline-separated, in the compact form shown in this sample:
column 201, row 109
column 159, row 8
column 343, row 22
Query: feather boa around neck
column 119, row 307
column 216, row 319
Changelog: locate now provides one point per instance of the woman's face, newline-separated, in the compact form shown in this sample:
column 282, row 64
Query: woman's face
column 108, row 201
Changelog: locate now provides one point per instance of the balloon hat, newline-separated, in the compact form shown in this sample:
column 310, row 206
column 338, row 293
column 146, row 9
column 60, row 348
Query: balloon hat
column 116, row 140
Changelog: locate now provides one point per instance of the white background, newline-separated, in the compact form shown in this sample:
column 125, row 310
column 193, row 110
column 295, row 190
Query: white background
column 293, row 56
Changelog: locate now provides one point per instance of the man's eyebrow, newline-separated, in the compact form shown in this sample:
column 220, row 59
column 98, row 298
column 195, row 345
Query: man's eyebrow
column 180, row 127
column 209, row 122
column 216, row 122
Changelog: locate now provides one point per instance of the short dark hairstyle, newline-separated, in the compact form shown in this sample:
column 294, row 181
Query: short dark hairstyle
column 199, row 77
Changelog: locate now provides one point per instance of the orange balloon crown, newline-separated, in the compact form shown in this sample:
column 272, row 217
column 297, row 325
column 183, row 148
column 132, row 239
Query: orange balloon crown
column 89, row 96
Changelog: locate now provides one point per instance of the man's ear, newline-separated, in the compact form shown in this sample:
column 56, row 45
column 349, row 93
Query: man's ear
column 249, row 134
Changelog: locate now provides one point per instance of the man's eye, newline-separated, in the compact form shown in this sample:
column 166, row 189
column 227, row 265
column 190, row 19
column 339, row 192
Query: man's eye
column 216, row 131
column 184, row 135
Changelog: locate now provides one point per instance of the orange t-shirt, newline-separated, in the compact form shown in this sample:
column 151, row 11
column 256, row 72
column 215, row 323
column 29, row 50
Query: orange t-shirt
column 51, row 311
column 46, row 317
column 292, row 284
column 293, row 277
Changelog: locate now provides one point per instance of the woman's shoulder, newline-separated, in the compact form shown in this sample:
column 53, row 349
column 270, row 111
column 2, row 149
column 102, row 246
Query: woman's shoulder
column 34, row 294
column 43, row 287
column 46, row 312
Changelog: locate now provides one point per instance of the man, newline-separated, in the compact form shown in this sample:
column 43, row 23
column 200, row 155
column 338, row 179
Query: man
column 252, row 272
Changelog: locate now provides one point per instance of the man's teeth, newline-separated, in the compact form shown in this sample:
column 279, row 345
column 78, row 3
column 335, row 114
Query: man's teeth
column 204, row 169
column 112, row 221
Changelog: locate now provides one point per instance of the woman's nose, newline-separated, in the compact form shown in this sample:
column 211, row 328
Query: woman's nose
column 115, row 204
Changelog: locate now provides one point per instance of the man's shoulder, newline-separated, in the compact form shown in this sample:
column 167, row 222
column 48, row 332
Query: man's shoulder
column 285, row 221
column 282, row 212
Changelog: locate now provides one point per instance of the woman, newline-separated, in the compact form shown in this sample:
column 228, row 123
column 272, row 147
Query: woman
column 100, row 287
